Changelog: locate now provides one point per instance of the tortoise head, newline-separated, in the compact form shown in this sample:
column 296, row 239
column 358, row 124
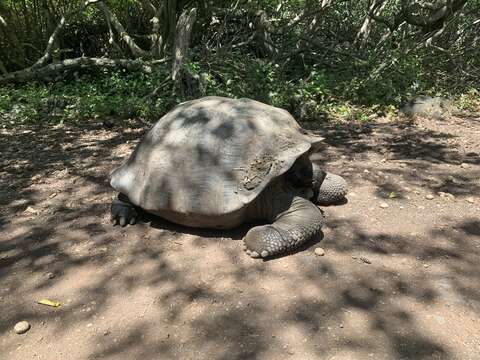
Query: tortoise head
column 300, row 175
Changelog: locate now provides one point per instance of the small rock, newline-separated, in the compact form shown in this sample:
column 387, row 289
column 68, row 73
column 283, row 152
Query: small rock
column 426, row 266
column 384, row 205
column 451, row 179
column 470, row 200
column 429, row 197
column 445, row 195
column 366, row 171
column 50, row 275
column 30, row 210
column 464, row 165
column 319, row 251
column 365, row 260
column 21, row 327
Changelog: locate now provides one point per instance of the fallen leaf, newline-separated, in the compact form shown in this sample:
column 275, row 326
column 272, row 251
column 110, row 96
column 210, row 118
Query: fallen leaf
column 47, row 302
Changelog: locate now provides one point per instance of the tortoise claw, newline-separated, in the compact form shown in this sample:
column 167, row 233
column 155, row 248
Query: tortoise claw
column 123, row 213
column 251, row 253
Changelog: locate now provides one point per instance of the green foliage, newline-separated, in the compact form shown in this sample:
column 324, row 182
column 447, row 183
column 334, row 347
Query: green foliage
column 319, row 66
column 469, row 101
column 116, row 94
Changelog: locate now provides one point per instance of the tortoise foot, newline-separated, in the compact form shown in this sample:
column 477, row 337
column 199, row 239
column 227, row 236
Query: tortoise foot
column 264, row 241
column 330, row 190
column 123, row 213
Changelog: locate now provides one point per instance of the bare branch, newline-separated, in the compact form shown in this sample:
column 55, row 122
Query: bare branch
column 111, row 38
column 134, row 48
column 437, row 16
column 364, row 31
column 3, row 70
column 77, row 63
column 330, row 49
column 374, row 14
column 53, row 38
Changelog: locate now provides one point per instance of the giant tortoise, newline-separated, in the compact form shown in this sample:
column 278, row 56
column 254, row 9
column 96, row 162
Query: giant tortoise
column 217, row 162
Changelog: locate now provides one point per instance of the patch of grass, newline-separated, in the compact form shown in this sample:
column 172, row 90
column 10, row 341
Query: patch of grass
column 469, row 101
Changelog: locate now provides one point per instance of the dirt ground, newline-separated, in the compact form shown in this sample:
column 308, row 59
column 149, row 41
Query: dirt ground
column 400, row 278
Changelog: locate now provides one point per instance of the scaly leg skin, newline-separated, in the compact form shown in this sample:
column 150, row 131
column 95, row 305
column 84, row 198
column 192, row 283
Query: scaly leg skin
column 123, row 212
column 291, row 228
column 328, row 188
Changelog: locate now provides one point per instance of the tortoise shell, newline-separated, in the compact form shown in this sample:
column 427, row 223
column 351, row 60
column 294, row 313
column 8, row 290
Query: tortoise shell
column 211, row 156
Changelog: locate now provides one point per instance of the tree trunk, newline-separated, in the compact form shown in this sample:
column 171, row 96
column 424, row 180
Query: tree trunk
column 18, row 53
column 182, row 40
column 187, row 84
column 262, row 35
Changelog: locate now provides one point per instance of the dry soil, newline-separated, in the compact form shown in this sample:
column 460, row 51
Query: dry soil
column 400, row 278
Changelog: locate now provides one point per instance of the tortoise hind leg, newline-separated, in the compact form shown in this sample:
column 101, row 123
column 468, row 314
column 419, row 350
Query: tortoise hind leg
column 123, row 212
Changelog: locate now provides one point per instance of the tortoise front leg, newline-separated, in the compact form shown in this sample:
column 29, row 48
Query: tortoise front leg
column 123, row 212
column 290, row 229
column 328, row 188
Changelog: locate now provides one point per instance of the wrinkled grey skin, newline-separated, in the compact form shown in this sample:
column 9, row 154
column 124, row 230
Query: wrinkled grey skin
column 217, row 163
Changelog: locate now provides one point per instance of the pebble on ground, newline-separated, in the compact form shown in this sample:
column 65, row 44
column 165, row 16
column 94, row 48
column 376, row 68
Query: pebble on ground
column 21, row 327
